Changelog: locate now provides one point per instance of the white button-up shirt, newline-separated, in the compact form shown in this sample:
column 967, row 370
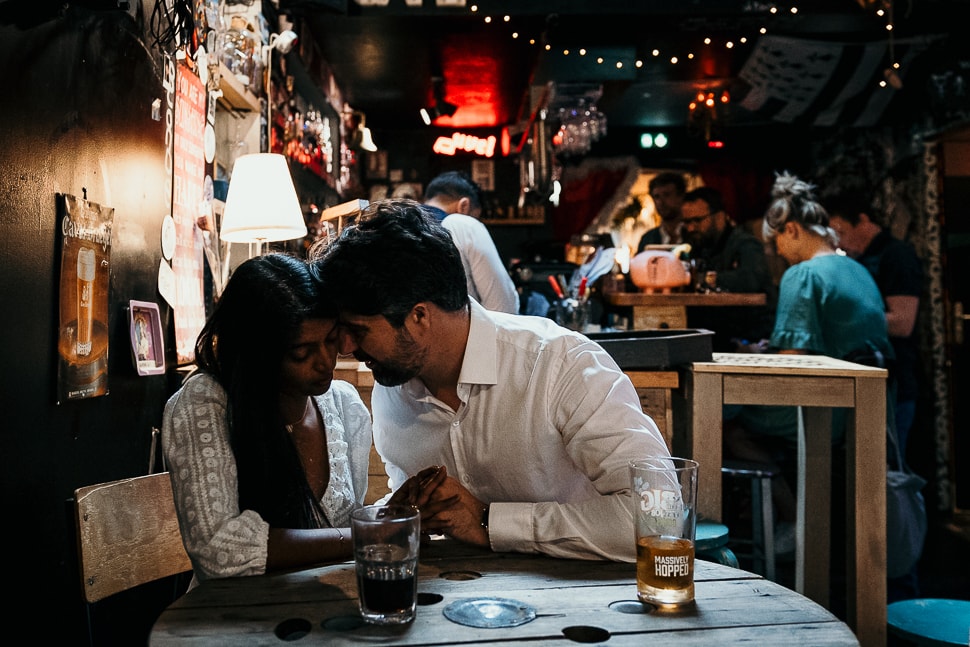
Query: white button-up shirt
column 547, row 427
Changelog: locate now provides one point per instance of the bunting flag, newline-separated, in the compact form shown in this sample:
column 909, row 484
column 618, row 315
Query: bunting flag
column 822, row 83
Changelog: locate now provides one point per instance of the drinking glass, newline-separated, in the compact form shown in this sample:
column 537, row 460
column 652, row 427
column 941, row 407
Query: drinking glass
column 573, row 314
column 665, row 516
column 386, row 540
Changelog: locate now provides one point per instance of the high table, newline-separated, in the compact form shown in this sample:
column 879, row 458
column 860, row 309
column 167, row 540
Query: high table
column 658, row 310
column 575, row 601
column 816, row 383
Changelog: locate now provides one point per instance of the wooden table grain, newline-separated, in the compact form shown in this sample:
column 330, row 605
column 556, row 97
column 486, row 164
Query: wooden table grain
column 816, row 384
column 575, row 601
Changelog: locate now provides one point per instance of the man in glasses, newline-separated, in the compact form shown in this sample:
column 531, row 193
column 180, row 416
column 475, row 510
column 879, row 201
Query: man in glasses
column 737, row 259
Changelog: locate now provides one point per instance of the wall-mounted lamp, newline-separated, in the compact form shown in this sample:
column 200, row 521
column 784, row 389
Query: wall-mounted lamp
column 441, row 107
column 262, row 205
column 362, row 138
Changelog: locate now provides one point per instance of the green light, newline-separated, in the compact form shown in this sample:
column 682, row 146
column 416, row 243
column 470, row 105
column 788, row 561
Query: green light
column 653, row 140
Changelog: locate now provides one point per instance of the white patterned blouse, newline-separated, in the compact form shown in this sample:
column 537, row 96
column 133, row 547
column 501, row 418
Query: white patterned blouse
column 221, row 539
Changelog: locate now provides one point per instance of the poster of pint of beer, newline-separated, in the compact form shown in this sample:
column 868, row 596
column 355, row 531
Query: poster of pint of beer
column 82, row 345
column 147, row 343
column 188, row 175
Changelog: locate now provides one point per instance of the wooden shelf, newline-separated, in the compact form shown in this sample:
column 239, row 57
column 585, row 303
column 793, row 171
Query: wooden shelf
column 235, row 96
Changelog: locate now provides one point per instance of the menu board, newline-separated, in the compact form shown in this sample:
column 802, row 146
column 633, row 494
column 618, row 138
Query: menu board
column 188, row 176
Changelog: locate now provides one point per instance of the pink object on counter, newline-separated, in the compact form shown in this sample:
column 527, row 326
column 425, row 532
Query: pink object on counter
column 654, row 270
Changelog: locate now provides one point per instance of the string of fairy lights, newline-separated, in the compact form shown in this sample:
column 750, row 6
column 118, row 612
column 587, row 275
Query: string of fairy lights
column 882, row 8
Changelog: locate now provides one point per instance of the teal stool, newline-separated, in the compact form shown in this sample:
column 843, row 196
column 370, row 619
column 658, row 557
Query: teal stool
column 929, row 622
column 711, row 544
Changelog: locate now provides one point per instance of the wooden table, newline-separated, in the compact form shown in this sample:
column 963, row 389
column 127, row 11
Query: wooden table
column 816, row 383
column 589, row 601
column 658, row 310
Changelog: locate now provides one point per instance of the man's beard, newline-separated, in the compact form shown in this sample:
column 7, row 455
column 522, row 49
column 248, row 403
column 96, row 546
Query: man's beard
column 402, row 366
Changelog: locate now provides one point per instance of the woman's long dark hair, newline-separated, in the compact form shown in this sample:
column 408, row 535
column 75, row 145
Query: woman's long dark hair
column 242, row 345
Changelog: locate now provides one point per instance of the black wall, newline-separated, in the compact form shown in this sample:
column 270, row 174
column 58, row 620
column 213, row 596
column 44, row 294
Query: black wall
column 75, row 108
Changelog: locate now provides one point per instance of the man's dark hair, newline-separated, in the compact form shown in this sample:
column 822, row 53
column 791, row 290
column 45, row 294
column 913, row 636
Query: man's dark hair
column 848, row 205
column 712, row 197
column 396, row 255
column 455, row 185
column 668, row 177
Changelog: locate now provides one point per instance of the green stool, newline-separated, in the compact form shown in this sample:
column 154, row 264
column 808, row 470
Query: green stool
column 711, row 544
column 929, row 622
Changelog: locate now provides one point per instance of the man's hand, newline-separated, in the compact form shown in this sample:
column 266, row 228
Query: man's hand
column 418, row 491
column 458, row 514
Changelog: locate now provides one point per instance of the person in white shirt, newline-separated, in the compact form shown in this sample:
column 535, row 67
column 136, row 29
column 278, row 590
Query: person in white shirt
column 457, row 203
column 534, row 425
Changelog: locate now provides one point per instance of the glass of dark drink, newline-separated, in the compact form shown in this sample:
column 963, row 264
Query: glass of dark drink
column 386, row 542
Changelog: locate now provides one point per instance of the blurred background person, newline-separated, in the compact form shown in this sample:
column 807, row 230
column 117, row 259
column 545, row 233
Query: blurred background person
column 667, row 192
column 898, row 272
column 457, row 201
column 738, row 257
column 828, row 304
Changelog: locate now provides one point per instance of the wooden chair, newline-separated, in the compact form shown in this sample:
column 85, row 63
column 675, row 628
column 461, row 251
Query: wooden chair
column 127, row 535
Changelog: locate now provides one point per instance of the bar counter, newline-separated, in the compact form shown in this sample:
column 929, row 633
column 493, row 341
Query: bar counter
column 652, row 310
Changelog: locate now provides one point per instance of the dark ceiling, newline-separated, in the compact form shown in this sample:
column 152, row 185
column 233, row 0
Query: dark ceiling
column 389, row 60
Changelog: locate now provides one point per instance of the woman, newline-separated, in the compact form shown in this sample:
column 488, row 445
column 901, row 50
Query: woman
column 268, row 454
column 828, row 304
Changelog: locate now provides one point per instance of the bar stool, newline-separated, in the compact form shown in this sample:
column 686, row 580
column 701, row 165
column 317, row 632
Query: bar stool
column 762, row 540
column 930, row 621
column 711, row 544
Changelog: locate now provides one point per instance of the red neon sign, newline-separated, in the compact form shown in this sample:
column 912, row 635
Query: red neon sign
column 460, row 142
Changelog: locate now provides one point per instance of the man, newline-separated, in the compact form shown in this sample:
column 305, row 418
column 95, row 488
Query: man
column 898, row 272
column 738, row 258
column 667, row 191
column 457, row 202
column 535, row 424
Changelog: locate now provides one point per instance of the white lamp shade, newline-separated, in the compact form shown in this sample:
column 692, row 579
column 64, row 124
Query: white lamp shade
column 262, row 205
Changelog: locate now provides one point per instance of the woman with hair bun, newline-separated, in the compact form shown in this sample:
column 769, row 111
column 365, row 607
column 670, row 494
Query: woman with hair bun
column 828, row 304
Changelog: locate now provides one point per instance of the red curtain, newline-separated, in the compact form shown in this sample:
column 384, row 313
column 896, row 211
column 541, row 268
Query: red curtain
column 585, row 191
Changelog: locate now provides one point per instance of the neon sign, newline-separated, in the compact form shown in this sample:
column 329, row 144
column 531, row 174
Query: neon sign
column 460, row 142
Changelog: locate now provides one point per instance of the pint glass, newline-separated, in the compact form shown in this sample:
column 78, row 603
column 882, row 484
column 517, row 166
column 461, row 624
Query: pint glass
column 665, row 495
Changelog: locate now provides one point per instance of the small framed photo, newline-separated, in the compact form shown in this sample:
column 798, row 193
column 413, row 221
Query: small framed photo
column 483, row 174
column 147, row 343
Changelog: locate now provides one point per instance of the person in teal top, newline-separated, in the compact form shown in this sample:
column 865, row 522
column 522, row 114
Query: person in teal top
column 828, row 304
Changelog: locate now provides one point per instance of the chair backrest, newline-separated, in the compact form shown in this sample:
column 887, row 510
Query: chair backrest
column 128, row 535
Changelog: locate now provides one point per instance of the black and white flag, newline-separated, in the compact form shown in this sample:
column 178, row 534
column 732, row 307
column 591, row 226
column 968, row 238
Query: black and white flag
column 793, row 80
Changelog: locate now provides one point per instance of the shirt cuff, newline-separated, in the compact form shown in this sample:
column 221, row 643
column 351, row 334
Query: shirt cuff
column 510, row 527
